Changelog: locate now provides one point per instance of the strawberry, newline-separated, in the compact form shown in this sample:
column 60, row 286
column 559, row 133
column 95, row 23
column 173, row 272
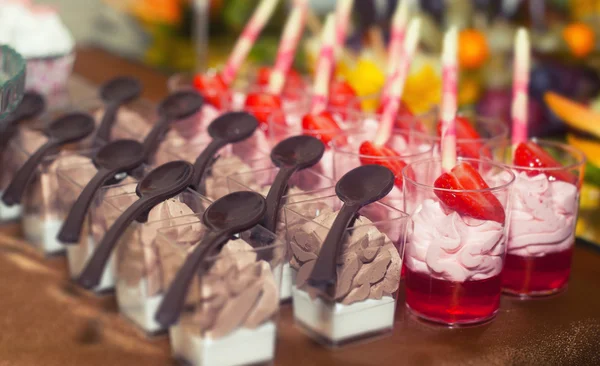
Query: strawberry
column 322, row 126
column 479, row 205
column 405, row 119
column 212, row 88
column 531, row 155
column 373, row 154
column 294, row 84
column 464, row 133
column 343, row 97
column 265, row 107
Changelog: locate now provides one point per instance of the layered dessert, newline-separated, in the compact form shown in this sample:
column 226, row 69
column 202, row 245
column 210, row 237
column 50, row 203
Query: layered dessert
column 237, row 307
column 456, row 243
column 368, row 275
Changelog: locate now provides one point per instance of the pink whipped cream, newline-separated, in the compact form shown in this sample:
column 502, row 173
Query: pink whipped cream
column 450, row 247
column 543, row 215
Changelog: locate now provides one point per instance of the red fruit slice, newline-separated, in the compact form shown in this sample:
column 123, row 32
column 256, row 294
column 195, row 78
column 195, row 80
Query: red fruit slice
column 294, row 84
column 464, row 133
column 479, row 205
column 213, row 89
column 266, row 108
column 406, row 119
column 373, row 154
column 531, row 155
column 343, row 97
column 322, row 126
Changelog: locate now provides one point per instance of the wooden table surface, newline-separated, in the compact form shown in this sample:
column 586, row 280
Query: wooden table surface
column 47, row 321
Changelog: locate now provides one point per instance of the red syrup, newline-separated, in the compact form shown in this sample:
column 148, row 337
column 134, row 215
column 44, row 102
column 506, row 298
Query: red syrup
column 451, row 302
column 536, row 276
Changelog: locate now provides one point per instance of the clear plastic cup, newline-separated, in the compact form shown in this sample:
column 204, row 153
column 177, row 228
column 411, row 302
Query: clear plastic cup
column 368, row 270
column 304, row 185
column 410, row 147
column 220, row 317
column 545, row 204
column 453, row 261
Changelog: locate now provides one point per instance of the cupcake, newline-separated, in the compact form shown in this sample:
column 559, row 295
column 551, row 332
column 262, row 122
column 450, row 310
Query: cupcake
column 39, row 35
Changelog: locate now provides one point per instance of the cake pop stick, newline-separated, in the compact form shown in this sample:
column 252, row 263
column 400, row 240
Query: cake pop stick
column 249, row 35
column 342, row 18
column 449, row 99
column 396, row 89
column 287, row 47
column 520, row 87
column 324, row 66
column 397, row 33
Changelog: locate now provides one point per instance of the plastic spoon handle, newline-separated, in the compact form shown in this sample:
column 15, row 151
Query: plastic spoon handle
column 202, row 162
column 276, row 192
column 90, row 276
column 7, row 132
column 71, row 229
column 174, row 299
column 154, row 137
column 323, row 276
column 108, row 120
column 14, row 192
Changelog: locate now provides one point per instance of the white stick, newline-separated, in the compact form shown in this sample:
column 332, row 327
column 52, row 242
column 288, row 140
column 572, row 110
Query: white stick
column 342, row 16
column 324, row 66
column 449, row 99
column 521, row 65
column 392, row 105
column 397, row 35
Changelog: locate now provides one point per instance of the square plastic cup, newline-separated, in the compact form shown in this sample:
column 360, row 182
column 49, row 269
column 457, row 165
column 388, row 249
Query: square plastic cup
column 545, row 204
column 346, row 147
column 304, row 185
column 490, row 130
column 453, row 262
column 231, row 311
column 368, row 270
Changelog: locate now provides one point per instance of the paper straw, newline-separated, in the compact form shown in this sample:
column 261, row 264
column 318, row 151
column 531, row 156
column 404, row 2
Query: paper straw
column 287, row 48
column 390, row 110
column 520, row 87
column 342, row 18
column 324, row 66
column 397, row 33
column 449, row 87
column 244, row 44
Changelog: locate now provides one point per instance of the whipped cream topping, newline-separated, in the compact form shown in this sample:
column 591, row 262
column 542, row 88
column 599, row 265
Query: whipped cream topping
column 238, row 291
column 451, row 247
column 33, row 31
column 368, row 267
column 543, row 215
column 216, row 178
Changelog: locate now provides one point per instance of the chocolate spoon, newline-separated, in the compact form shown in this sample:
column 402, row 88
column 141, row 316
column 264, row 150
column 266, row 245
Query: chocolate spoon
column 226, row 129
column 357, row 188
column 117, row 157
column 162, row 183
column 179, row 105
column 229, row 215
column 64, row 130
column 290, row 155
column 31, row 105
column 114, row 94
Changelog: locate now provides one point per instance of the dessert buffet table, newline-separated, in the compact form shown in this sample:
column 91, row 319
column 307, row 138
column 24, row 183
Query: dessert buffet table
column 47, row 321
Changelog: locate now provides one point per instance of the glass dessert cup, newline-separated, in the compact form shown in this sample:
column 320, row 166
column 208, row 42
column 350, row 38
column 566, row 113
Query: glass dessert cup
column 304, row 185
column 368, row 269
column 544, row 208
column 204, row 334
column 453, row 262
column 409, row 146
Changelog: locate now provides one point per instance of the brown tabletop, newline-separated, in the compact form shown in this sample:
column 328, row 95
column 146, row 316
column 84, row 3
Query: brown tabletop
column 47, row 321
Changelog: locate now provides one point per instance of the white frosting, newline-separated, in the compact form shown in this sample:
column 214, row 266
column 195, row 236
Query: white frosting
column 33, row 33
column 453, row 248
column 543, row 215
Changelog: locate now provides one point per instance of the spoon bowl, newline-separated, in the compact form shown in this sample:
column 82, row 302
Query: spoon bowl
column 173, row 176
column 362, row 186
column 181, row 104
column 233, row 127
column 70, row 127
column 122, row 155
column 31, row 105
column 121, row 90
column 238, row 209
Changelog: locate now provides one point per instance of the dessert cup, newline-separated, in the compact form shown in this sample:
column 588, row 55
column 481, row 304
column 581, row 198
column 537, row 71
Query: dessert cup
column 410, row 147
column 304, row 185
column 231, row 311
column 453, row 262
column 543, row 216
column 368, row 270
